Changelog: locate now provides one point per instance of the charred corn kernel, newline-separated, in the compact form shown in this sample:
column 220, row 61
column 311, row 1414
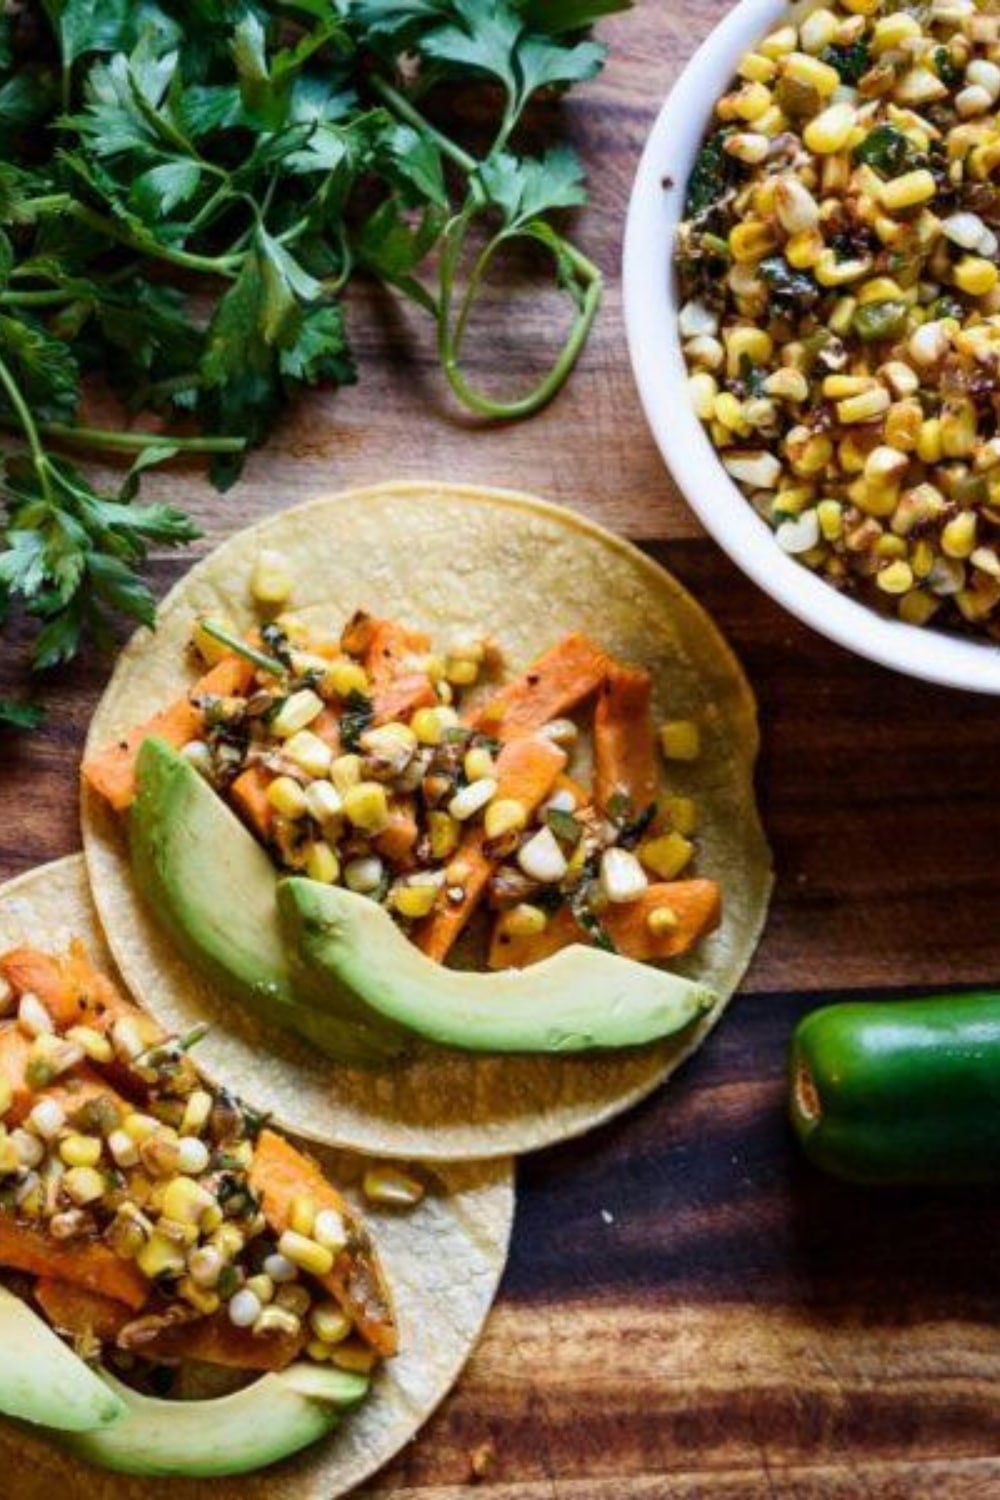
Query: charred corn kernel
column 92, row 1043
column 346, row 676
column 277, row 1322
column 391, row 744
column 460, row 671
column 392, row 1187
column 522, row 921
column 287, row 798
column 729, row 411
column 311, row 754
column 752, row 241
column 353, row 1355
column 680, row 739
column 228, row 1240
column 885, row 465
column 805, row 250
column 929, row 449
column 958, row 429
column 330, row 1323
column 161, row 1256
column 262, row 1287
column 470, row 800
column 703, row 389
column 787, row 385
column 294, row 1299
column 431, row 724
column 505, row 815
column 271, row 581
column 829, row 271
column 444, row 833
column 743, row 343
column 864, row 407
column 975, row 275
column 83, row 1185
column 322, row 864
column 843, row 314
column 414, row 901
column 902, row 425
column 197, row 1112
column 909, row 190
column 682, row 813
column 748, row 146
column 918, row 608
column 800, row 67
column 662, row 920
column 897, row 578
column 302, row 1214
column 201, row 1298
column 478, row 762
column 747, row 103
column 325, row 804
column 828, row 132
column 667, row 854
column 305, row 1253
column 80, row 1150
column 318, row 1351
column 958, row 536
column 140, row 1127
column 366, row 806
column 297, row 712
column 837, row 387
column 345, row 772
column 185, row 1201
column 209, row 648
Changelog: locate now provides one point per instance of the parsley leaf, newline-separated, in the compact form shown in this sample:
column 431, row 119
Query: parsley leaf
column 20, row 715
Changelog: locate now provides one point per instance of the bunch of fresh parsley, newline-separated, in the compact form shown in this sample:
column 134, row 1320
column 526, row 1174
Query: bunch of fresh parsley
column 187, row 188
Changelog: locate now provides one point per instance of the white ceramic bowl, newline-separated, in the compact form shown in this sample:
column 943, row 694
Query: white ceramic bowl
column 651, row 319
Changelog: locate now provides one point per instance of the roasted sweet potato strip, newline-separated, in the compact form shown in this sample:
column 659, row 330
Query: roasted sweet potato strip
column 248, row 794
column 279, row 1175
column 86, row 1263
column 112, row 771
column 552, row 686
column 70, row 988
column 526, row 771
column 389, row 646
column 624, row 743
column 398, row 841
column 697, row 905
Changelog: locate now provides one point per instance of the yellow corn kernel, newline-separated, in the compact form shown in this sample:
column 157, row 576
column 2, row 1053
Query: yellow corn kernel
column 302, row 1214
column 885, row 465
column 96, row 1046
column 208, row 648
column 505, row 815
column 802, row 68
column 366, row 806
column 864, row 407
column 787, row 384
column 206, row 1302
column 430, row 724
column 818, row 30
column 890, row 31
column 444, row 832
column 345, row 676
column 287, row 798
column 862, row 7
column 682, row 813
column 805, row 249
column 909, row 190
column 140, row 1127
column 779, row 43
column 837, row 387
column 305, row 1253
column 958, row 429
column 889, row 547
column 80, row 1150
column 975, row 275
column 922, row 558
column 271, row 581
column 667, row 854
column 958, row 536
column 83, row 1185
column 746, row 343
column 297, row 712
column 703, row 389
column 929, row 449
column 311, row 754
column 751, row 241
column 810, row 457
column 662, row 921
column 414, row 900
column 680, row 739
column 771, row 123
column 882, row 289
column 6, row 1096
column 828, row 132
column 330, row 1324
column 747, row 103
column 345, row 772
column 159, row 1255
column 522, row 921
column 918, row 608
column 874, row 499
column 830, row 271
column 903, row 423
column 185, row 1201
column 897, row 578
column 830, row 514
column 353, row 1355
column 756, row 68
column 729, row 411
column 322, row 864
column 478, row 763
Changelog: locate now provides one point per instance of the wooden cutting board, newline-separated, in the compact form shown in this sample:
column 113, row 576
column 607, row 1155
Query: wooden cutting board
column 689, row 1311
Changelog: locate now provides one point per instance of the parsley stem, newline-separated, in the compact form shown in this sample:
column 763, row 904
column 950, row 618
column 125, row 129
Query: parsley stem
column 27, row 424
column 136, row 442
column 241, row 648
column 214, row 265
column 402, row 106
column 38, row 299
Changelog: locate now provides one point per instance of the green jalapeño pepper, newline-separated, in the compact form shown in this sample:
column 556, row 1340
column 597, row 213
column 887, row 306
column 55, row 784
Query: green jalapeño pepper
column 901, row 1091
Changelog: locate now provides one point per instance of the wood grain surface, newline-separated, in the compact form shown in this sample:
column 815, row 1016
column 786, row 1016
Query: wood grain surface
column 688, row 1311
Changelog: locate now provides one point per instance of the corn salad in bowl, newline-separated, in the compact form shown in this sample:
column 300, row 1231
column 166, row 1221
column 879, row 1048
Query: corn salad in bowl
column 840, row 300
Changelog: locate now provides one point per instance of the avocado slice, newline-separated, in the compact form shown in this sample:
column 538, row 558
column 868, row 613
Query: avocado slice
column 259, row 1425
column 212, row 888
column 43, row 1381
column 578, row 1000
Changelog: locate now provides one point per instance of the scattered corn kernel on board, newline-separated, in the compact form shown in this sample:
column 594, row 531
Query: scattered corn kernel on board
column 689, row 1310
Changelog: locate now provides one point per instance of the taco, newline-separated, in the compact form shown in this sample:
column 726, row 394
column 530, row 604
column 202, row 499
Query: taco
column 445, row 741
column 184, row 1292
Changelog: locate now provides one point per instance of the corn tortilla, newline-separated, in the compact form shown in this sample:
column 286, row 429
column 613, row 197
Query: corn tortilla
column 443, row 1258
column 450, row 559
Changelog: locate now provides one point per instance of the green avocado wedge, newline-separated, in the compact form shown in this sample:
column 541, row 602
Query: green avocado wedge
column 43, row 1381
column 265, row 1422
column 579, row 1000
column 211, row 887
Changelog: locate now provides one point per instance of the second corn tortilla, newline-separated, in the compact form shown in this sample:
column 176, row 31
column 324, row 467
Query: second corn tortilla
column 449, row 559
column 444, row 1260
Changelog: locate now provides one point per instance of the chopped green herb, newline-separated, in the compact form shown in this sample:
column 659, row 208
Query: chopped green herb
column 713, row 174
column 851, row 62
column 564, row 826
column 357, row 716
column 948, row 70
column 20, row 715
column 888, row 151
column 788, row 287
column 240, row 648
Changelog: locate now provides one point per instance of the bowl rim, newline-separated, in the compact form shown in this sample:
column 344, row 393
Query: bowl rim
column 650, row 308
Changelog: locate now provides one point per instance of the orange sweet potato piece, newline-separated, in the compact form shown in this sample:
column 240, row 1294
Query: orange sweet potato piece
column 86, row 1263
column 526, row 770
column 71, row 989
column 112, row 771
column 397, row 842
column 248, row 794
column 552, row 686
column 624, row 743
column 279, row 1175
column 389, row 645
column 697, row 905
